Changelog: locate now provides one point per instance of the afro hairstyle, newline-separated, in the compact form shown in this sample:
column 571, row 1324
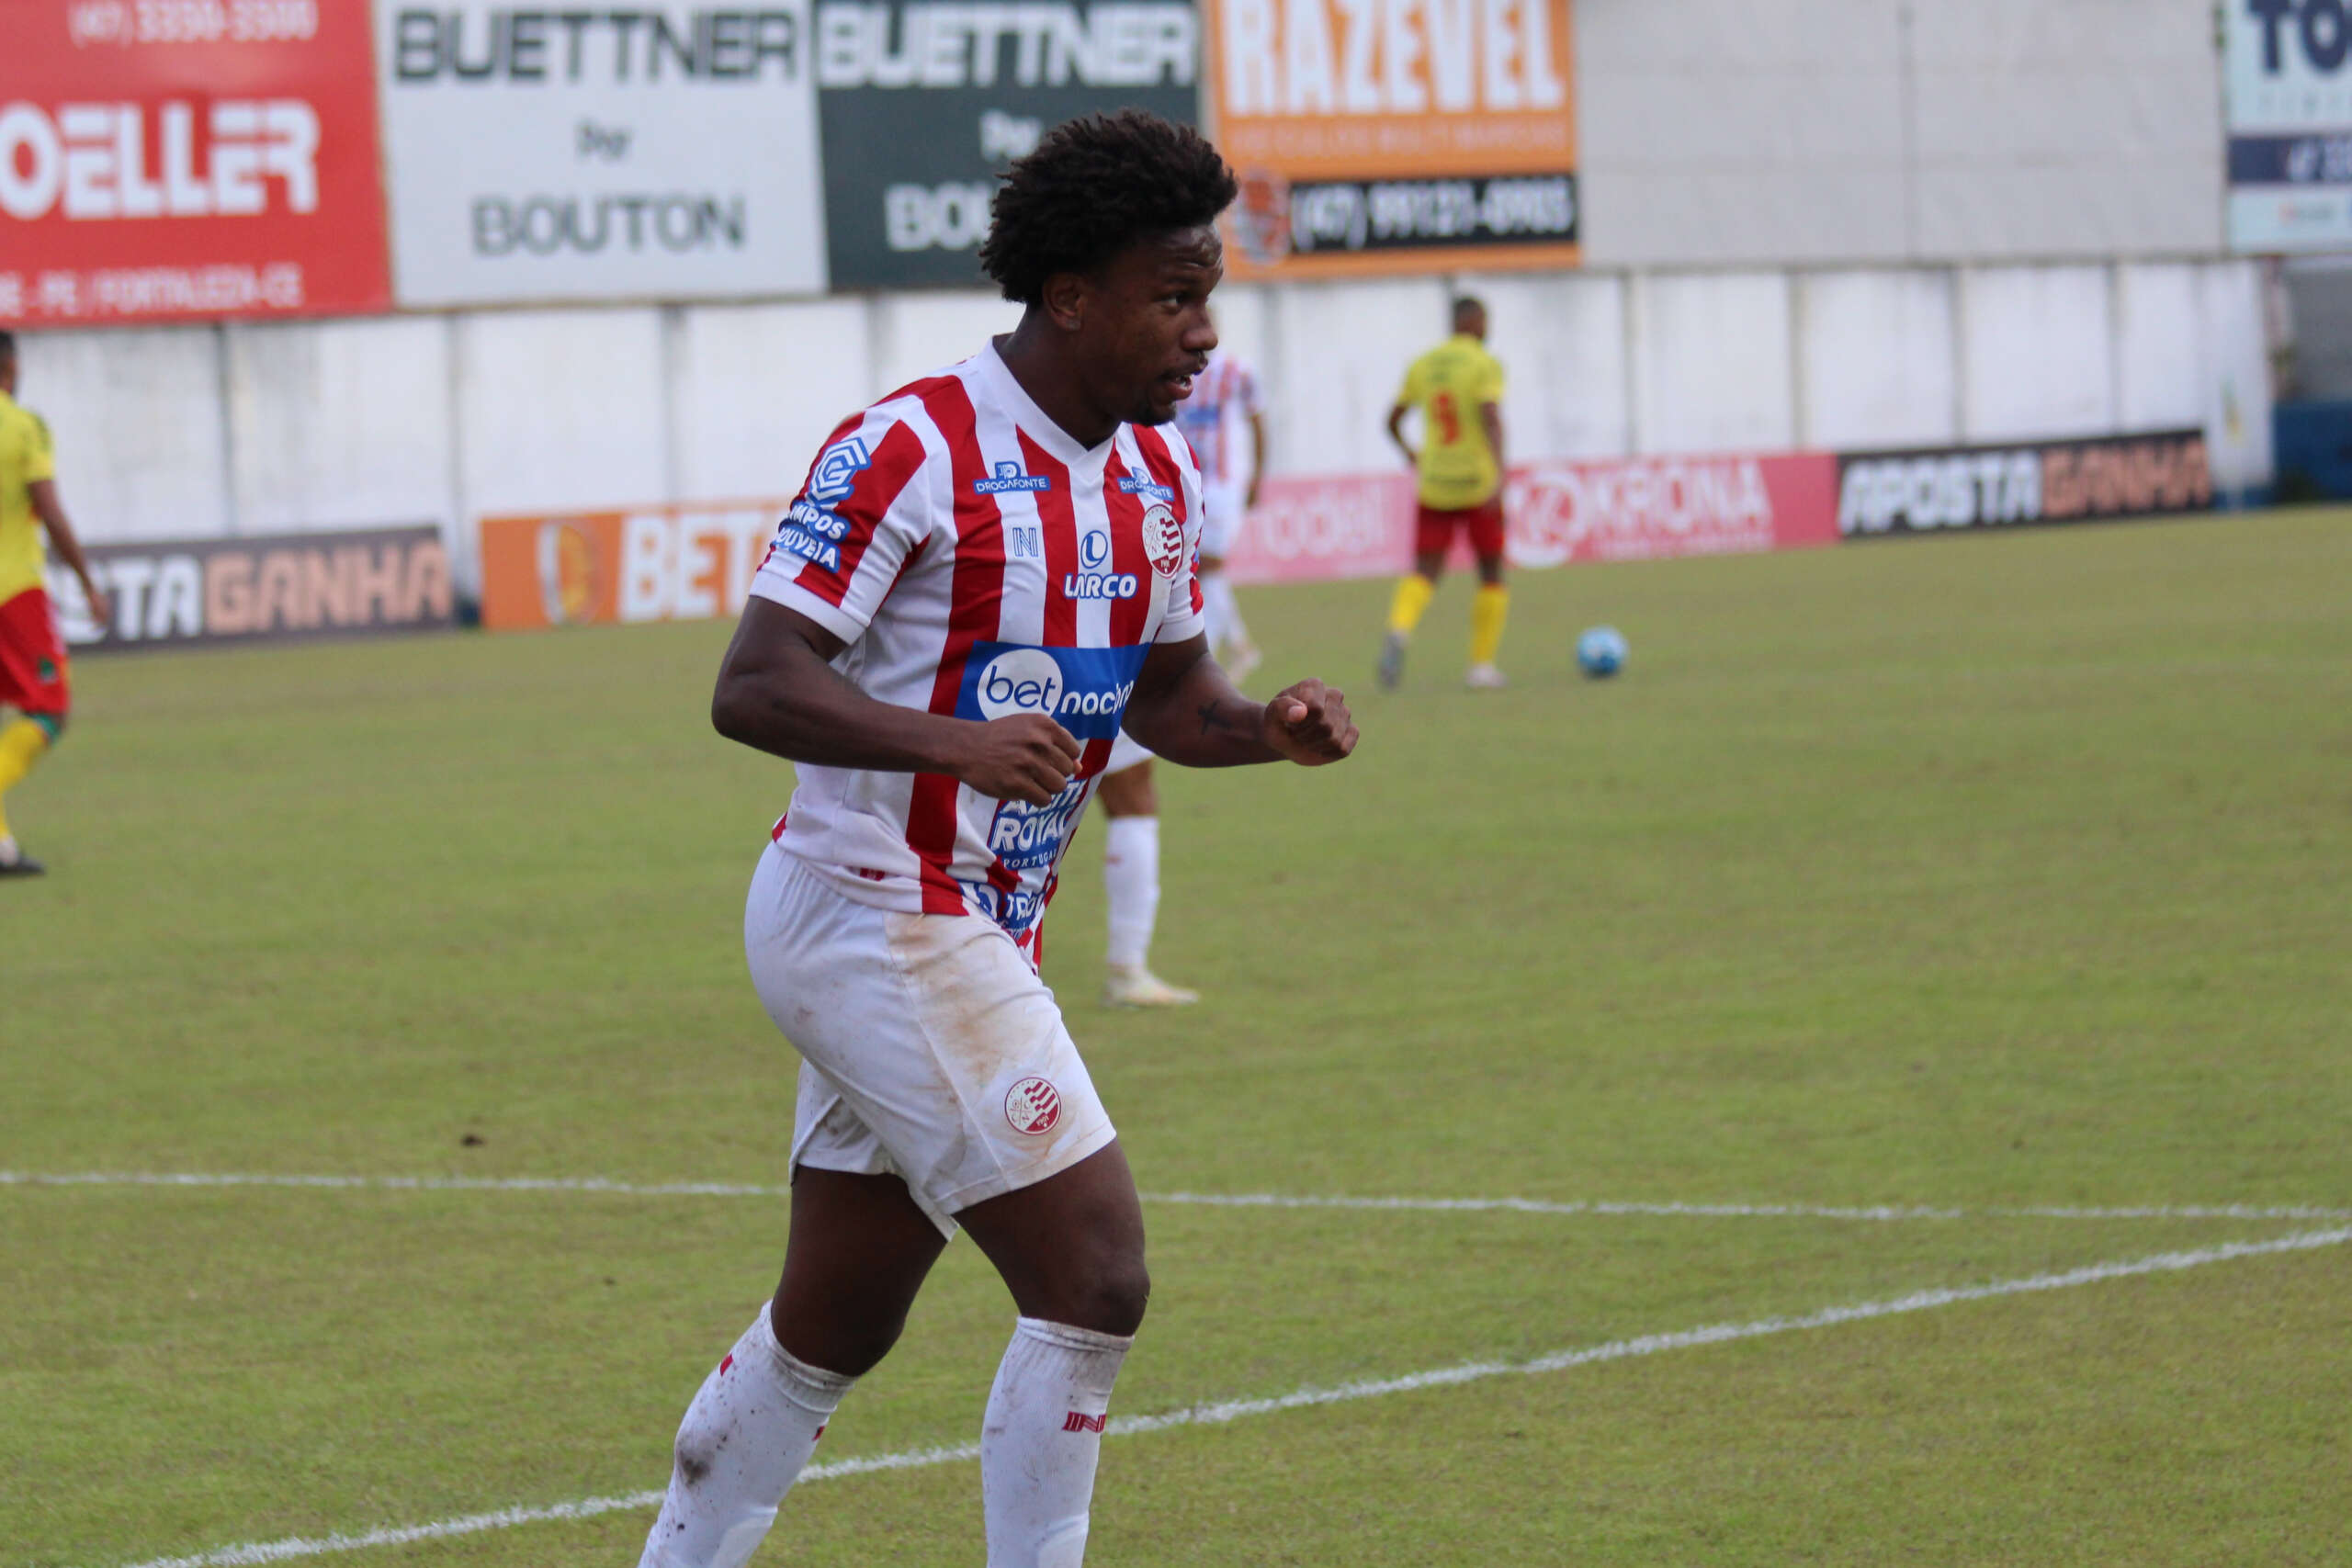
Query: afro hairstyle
column 1094, row 187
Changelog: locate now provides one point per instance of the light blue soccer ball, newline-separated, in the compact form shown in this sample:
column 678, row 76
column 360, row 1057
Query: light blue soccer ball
column 1601, row 652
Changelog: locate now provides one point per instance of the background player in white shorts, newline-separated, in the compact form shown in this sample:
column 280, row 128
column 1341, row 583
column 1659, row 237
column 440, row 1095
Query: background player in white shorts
column 1226, row 401
column 986, row 576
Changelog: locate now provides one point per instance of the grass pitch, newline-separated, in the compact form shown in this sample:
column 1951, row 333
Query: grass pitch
column 1987, row 873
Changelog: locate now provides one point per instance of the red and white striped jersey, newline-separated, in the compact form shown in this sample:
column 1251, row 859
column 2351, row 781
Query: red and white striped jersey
column 978, row 562
column 1216, row 419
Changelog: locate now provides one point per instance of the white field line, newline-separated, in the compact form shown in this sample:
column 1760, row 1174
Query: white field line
column 1874, row 1213
column 1237, row 1409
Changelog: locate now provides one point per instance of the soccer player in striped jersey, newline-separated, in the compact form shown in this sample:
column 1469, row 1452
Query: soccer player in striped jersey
column 988, row 576
column 1225, row 404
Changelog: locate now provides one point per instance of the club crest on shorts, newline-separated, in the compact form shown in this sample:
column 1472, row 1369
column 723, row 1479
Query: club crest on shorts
column 1032, row 1106
column 1163, row 539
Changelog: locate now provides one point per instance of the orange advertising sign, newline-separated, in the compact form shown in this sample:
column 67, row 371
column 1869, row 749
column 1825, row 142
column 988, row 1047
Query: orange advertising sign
column 1396, row 135
column 646, row 563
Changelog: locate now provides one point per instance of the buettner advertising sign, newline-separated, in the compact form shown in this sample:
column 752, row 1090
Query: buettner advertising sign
column 1396, row 135
column 170, row 159
column 661, row 151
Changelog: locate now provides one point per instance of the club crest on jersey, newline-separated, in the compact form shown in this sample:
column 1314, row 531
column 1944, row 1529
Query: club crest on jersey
column 1008, row 478
column 1163, row 539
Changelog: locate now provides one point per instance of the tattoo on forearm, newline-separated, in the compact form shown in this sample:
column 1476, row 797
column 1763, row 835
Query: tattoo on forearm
column 1213, row 719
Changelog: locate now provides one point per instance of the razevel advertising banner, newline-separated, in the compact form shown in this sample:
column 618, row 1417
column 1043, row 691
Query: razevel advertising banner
column 185, row 159
column 2288, row 92
column 2035, row 482
column 1395, row 137
column 660, row 151
column 923, row 103
column 262, row 587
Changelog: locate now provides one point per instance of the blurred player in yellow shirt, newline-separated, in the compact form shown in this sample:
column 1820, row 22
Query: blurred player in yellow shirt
column 32, row 656
column 1457, row 387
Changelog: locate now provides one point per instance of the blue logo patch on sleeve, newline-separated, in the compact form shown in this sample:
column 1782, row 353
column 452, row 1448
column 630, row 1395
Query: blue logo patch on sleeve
column 835, row 475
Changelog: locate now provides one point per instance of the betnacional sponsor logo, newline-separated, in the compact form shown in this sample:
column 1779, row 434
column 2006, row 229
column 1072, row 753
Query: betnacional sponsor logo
column 571, row 154
column 2063, row 481
column 648, row 563
column 1032, row 1106
column 1083, row 689
column 262, row 587
column 169, row 159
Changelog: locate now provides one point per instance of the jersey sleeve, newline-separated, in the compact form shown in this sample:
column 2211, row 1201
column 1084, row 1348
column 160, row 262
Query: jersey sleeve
column 1409, row 394
column 1185, row 615
column 1252, row 393
column 41, row 456
column 1490, row 379
column 863, row 514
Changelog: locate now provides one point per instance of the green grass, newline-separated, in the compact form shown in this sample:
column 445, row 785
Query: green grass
column 1987, row 872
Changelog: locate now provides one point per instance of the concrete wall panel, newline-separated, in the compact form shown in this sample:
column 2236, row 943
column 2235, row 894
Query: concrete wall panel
column 1337, row 355
column 2236, row 359
column 142, row 453
column 1562, row 342
column 2037, row 352
column 756, row 389
column 560, row 409
column 914, row 335
column 1712, row 363
column 1876, row 356
column 341, row 424
column 2161, row 375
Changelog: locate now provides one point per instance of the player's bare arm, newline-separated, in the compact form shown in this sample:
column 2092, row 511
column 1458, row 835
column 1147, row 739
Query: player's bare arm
column 1396, row 433
column 1257, row 457
column 1490, row 419
column 1185, row 709
column 778, row 693
column 68, row 546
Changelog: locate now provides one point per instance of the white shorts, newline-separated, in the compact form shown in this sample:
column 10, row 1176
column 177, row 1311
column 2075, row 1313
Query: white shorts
column 1126, row 752
column 1222, row 511
column 930, row 1050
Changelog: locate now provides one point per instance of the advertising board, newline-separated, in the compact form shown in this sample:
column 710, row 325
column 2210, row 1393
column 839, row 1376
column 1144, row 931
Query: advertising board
column 647, row 563
column 2287, row 86
column 1401, row 137
column 169, row 159
column 656, row 152
column 923, row 104
column 2028, row 483
column 262, row 587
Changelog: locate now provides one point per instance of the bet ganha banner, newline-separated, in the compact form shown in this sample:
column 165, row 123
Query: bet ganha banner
column 169, row 159
column 2287, row 86
column 261, row 588
column 647, row 563
column 1555, row 511
column 1394, row 138
column 924, row 104
column 660, row 150
column 2030, row 484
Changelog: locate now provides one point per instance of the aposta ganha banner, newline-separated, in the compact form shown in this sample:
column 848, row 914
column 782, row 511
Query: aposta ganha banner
column 165, row 160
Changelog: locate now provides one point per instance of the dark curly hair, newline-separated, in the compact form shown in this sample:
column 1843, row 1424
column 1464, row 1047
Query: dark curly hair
column 1094, row 187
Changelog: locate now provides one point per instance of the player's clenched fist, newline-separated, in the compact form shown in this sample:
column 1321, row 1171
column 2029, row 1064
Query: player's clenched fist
column 1024, row 756
column 1310, row 724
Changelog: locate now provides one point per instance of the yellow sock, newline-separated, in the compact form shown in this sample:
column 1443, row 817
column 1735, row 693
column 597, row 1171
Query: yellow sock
column 1488, row 611
column 1414, row 592
column 22, row 745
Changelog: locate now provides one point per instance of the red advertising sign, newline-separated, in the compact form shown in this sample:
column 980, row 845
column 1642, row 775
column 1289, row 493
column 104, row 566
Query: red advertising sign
column 168, row 159
column 1556, row 510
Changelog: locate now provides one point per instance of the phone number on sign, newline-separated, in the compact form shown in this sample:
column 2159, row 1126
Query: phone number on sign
column 192, row 21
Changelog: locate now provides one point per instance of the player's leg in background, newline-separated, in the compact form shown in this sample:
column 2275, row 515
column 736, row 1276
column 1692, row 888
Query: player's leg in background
column 1222, row 513
column 1432, row 535
column 1071, row 1250
column 33, row 682
column 1491, row 608
column 1130, row 802
column 857, row 1254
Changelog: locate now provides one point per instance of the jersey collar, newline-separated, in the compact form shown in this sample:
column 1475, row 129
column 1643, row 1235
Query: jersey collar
column 1062, row 446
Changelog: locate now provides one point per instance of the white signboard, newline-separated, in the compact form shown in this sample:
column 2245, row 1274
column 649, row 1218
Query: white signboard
column 2290, row 87
column 666, row 150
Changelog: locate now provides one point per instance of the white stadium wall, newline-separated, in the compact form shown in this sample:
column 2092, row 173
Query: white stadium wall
column 203, row 431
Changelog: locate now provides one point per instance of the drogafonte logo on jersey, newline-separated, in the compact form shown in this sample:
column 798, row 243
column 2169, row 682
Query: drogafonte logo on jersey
column 1083, row 689
column 1008, row 479
column 1143, row 484
column 1163, row 539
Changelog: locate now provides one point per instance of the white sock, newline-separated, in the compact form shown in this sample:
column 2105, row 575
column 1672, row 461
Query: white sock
column 1223, row 612
column 1131, row 876
column 748, row 1432
column 1040, row 1440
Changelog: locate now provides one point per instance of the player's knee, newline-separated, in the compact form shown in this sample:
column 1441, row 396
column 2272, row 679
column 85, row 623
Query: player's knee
column 1110, row 1297
column 852, row 1340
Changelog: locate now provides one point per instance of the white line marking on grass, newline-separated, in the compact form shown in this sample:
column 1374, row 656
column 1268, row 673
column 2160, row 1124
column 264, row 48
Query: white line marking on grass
column 1872, row 1212
column 1232, row 1410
